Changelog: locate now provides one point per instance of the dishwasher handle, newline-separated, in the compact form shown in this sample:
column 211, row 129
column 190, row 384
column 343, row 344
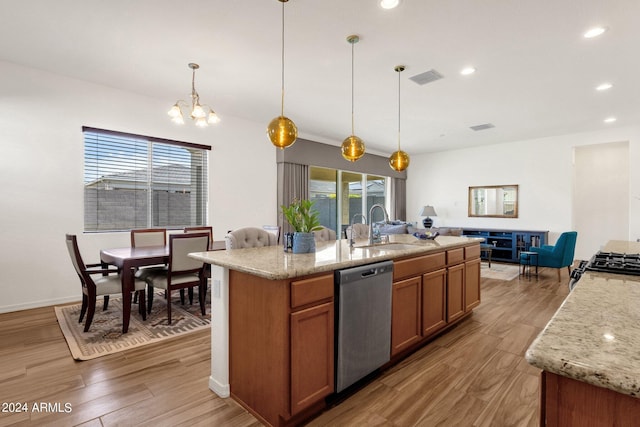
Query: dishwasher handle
column 371, row 272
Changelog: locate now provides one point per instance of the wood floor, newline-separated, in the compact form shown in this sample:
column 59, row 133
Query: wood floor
column 475, row 375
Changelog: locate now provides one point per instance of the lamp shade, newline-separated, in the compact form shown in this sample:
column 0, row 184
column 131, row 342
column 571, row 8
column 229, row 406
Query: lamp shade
column 428, row 211
column 352, row 148
column 282, row 132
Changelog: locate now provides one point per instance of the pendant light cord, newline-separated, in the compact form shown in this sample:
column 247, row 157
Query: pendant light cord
column 194, row 94
column 399, row 110
column 282, row 98
column 352, row 61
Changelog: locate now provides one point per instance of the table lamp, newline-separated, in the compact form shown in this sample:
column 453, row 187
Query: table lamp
column 428, row 211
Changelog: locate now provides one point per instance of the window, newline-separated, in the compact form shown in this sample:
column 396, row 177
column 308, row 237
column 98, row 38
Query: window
column 339, row 195
column 133, row 181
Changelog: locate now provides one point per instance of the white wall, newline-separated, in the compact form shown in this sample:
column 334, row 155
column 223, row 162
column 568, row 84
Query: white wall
column 41, row 176
column 543, row 170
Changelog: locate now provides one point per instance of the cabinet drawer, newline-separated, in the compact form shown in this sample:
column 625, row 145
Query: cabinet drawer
column 455, row 256
column 471, row 252
column 418, row 265
column 310, row 290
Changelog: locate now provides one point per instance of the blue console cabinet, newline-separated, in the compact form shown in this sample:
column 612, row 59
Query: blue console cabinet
column 507, row 244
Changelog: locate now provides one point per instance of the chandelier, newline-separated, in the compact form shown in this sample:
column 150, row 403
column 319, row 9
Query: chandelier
column 203, row 115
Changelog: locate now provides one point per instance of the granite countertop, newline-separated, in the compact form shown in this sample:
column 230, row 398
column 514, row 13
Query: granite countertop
column 273, row 263
column 594, row 336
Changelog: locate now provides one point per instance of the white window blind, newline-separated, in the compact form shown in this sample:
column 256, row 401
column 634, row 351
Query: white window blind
column 133, row 181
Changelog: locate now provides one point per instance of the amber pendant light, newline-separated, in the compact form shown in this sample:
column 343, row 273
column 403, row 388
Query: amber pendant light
column 352, row 146
column 281, row 130
column 399, row 160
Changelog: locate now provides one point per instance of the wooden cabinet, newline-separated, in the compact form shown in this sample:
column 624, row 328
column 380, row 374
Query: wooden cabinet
column 455, row 292
column 565, row 402
column 471, row 284
column 405, row 314
column 312, row 340
column 281, row 340
column 431, row 292
column 434, row 310
column 311, row 356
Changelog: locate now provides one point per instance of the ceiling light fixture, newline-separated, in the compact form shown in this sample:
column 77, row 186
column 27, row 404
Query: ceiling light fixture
column 281, row 130
column 202, row 114
column 389, row 4
column 468, row 70
column 399, row 160
column 610, row 120
column 352, row 146
column 594, row 32
column 604, row 86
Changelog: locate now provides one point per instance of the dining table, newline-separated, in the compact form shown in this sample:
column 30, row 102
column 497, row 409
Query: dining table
column 128, row 260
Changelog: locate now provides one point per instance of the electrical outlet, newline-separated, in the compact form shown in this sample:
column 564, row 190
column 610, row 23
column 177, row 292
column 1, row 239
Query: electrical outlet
column 216, row 288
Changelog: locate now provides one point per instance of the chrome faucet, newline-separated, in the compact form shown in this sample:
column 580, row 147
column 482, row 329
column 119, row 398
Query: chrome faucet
column 376, row 239
column 353, row 218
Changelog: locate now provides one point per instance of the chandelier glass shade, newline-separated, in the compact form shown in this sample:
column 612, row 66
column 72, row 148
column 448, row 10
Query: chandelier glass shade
column 399, row 160
column 352, row 146
column 202, row 115
column 282, row 131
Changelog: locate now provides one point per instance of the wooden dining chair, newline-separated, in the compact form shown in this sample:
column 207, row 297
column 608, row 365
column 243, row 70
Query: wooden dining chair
column 106, row 284
column 184, row 272
column 207, row 267
column 148, row 237
column 201, row 229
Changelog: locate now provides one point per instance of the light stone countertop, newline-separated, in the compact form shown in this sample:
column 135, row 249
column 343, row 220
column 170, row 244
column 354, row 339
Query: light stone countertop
column 594, row 336
column 273, row 263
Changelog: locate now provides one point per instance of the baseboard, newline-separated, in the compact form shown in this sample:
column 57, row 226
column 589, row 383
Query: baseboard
column 222, row 390
column 37, row 304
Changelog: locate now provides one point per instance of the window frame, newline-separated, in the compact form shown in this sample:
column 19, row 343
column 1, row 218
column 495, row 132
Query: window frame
column 158, row 150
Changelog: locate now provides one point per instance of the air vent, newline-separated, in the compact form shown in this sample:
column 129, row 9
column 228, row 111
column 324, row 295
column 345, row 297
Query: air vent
column 426, row 77
column 482, row 127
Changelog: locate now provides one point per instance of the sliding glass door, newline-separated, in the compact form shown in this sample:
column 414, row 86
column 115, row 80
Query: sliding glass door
column 341, row 195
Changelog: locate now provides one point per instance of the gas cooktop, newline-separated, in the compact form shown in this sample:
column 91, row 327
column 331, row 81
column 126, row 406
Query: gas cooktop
column 612, row 262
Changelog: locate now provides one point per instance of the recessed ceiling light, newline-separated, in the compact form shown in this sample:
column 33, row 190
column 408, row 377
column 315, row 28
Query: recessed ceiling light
column 468, row 70
column 594, row 32
column 604, row 86
column 610, row 120
column 389, row 4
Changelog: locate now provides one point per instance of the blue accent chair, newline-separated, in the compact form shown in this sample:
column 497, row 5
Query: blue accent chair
column 558, row 256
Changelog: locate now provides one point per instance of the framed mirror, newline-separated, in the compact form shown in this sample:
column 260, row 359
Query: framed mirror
column 495, row 201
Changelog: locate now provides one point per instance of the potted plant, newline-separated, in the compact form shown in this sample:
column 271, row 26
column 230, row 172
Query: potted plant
column 304, row 220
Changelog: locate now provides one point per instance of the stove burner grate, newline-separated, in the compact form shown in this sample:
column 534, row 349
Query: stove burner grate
column 612, row 262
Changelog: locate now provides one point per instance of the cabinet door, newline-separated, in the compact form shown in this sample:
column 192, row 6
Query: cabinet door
column 472, row 284
column 405, row 314
column 434, row 310
column 455, row 292
column 311, row 356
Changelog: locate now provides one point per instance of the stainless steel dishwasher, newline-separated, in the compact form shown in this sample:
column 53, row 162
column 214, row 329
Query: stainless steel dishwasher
column 363, row 331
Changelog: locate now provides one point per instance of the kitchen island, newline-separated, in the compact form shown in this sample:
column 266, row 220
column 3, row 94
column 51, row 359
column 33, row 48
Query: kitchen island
column 590, row 352
column 272, row 315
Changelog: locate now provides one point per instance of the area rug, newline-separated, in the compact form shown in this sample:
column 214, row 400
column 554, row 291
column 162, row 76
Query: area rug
column 105, row 335
column 499, row 271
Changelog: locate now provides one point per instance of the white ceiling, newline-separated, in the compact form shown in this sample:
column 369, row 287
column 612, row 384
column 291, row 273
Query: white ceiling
column 535, row 76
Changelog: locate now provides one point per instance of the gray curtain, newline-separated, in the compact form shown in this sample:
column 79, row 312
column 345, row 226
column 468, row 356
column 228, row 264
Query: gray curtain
column 398, row 199
column 293, row 183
